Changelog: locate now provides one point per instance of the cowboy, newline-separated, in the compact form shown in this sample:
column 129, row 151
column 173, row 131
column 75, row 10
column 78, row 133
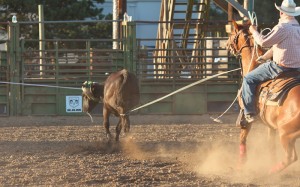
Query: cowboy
column 284, row 43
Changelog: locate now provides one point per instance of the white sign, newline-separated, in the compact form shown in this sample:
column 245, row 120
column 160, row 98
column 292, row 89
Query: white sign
column 74, row 103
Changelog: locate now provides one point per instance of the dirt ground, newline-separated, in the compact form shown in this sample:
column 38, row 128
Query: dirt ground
column 160, row 151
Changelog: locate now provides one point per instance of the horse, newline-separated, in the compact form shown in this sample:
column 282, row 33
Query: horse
column 284, row 119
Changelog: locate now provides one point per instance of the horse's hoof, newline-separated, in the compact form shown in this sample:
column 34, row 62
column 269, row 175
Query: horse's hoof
column 279, row 167
column 239, row 167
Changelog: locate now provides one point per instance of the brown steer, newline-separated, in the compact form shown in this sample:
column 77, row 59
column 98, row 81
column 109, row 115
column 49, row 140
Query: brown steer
column 119, row 94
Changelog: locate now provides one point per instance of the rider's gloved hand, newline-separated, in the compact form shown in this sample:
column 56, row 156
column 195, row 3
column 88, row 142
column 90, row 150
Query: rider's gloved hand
column 253, row 28
column 261, row 60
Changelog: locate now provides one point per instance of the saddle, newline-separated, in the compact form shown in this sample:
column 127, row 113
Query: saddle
column 272, row 92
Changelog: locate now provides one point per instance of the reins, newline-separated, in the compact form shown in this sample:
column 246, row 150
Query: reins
column 246, row 44
column 237, row 54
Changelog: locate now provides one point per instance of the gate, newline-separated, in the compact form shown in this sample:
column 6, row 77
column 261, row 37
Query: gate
column 44, row 82
column 180, row 69
column 4, row 94
column 70, row 62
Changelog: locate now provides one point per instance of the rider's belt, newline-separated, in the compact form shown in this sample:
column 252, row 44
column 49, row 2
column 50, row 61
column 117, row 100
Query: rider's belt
column 278, row 64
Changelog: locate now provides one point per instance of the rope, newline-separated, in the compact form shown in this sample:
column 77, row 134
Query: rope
column 39, row 85
column 143, row 106
column 217, row 118
column 183, row 88
column 253, row 19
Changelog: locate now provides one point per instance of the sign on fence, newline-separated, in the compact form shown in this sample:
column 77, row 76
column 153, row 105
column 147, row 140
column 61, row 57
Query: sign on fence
column 74, row 103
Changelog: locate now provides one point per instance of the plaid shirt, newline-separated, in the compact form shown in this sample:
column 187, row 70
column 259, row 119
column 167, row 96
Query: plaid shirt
column 285, row 42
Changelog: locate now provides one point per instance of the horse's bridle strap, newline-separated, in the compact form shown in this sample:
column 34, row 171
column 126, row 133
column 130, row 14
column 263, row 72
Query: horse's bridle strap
column 235, row 42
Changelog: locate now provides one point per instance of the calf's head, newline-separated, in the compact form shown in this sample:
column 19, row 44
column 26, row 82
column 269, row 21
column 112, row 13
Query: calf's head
column 92, row 94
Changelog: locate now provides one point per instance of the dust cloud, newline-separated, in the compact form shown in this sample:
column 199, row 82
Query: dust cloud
column 217, row 158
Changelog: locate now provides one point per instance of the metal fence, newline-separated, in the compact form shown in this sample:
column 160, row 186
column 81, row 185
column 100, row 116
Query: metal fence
column 70, row 62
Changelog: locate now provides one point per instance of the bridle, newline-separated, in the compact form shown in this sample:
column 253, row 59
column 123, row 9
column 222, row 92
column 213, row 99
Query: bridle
column 233, row 45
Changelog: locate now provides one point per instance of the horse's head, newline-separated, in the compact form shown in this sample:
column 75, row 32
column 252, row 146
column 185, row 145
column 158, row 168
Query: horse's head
column 241, row 43
column 239, row 38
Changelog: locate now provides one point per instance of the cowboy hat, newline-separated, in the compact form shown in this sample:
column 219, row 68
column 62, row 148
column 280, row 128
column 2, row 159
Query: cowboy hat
column 289, row 7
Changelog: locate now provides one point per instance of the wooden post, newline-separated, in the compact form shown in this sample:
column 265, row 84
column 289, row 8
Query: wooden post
column 250, row 5
column 115, row 34
column 122, row 8
column 230, row 12
column 91, row 61
column 41, row 39
column 14, row 70
column 129, row 34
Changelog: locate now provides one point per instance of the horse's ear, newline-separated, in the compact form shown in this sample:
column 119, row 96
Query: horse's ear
column 235, row 25
column 248, row 22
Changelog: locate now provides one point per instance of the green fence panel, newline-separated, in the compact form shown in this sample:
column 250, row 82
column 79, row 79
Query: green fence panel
column 70, row 62
column 4, row 88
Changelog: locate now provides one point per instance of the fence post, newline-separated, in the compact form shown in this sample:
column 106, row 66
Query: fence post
column 14, row 63
column 129, row 46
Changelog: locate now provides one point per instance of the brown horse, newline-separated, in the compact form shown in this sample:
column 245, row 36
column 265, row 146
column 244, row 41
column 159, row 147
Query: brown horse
column 284, row 118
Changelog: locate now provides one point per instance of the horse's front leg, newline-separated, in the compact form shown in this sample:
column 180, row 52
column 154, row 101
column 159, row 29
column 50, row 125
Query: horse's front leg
column 243, row 148
column 106, row 124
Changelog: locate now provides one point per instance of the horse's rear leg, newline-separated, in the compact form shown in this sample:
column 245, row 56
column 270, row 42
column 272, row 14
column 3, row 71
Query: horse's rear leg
column 288, row 143
column 243, row 148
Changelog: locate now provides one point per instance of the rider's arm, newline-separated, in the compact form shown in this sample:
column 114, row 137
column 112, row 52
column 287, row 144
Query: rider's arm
column 269, row 54
column 276, row 35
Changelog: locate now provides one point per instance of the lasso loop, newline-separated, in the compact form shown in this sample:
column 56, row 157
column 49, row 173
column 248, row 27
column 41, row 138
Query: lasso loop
column 253, row 18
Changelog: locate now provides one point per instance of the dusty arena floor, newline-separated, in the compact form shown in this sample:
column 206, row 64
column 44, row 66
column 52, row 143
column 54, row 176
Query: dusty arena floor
column 160, row 151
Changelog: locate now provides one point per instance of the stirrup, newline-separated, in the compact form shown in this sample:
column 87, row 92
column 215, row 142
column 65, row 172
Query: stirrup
column 249, row 118
column 241, row 121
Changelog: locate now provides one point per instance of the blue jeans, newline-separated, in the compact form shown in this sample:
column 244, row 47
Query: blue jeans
column 266, row 71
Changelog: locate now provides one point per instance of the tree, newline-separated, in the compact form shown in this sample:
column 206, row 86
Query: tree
column 58, row 10
column 216, row 13
column 265, row 10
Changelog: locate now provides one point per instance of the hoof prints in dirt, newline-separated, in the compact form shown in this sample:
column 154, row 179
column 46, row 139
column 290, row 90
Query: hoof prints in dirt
column 99, row 147
column 157, row 155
